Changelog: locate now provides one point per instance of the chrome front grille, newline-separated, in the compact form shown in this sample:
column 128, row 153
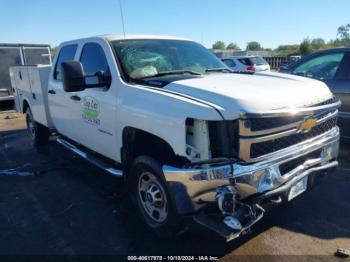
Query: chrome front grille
column 261, row 136
column 263, row 148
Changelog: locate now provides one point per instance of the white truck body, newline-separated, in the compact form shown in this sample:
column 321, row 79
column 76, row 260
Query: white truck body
column 187, row 121
column 31, row 84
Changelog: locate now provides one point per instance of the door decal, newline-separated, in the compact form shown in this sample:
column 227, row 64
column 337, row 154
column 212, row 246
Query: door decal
column 91, row 110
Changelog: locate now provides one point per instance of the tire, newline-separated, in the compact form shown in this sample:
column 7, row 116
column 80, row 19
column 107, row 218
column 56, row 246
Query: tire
column 38, row 133
column 151, row 198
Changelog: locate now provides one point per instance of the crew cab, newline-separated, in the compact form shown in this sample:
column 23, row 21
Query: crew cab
column 190, row 137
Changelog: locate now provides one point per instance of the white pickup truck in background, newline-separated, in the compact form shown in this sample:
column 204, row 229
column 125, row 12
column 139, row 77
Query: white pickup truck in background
column 189, row 136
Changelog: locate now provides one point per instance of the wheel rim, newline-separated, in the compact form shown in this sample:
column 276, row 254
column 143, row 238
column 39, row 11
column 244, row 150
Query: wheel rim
column 152, row 197
column 31, row 127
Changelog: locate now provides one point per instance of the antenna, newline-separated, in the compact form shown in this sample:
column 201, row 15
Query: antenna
column 122, row 16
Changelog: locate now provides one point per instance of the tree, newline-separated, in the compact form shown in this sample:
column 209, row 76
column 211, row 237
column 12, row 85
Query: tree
column 253, row 46
column 286, row 50
column 318, row 43
column 233, row 46
column 220, row 45
column 344, row 32
column 53, row 51
column 305, row 47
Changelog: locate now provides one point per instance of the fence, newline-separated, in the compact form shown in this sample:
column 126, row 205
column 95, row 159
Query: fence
column 276, row 61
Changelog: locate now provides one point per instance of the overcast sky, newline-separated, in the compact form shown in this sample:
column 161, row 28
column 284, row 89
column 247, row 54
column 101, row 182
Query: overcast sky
column 270, row 22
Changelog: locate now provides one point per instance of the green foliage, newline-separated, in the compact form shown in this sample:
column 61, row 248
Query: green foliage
column 287, row 50
column 53, row 51
column 219, row 45
column 233, row 46
column 318, row 43
column 343, row 32
column 306, row 47
column 253, row 46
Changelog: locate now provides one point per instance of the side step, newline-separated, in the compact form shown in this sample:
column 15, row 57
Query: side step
column 91, row 159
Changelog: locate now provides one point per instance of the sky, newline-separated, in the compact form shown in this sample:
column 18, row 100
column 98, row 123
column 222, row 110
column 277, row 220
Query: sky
column 270, row 22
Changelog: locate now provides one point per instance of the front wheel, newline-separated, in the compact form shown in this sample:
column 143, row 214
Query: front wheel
column 39, row 134
column 151, row 197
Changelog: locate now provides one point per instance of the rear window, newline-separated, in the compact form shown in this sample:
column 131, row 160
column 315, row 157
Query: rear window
column 9, row 56
column 253, row 61
column 36, row 56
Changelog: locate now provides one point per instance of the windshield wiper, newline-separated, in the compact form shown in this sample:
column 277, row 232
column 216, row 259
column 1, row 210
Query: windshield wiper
column 220, row 69
column 174, row 72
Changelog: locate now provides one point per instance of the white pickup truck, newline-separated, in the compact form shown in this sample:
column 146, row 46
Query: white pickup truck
column 191, row 137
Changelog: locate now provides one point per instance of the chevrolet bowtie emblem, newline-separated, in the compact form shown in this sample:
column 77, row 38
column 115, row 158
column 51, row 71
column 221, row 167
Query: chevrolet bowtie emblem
column 307, row 125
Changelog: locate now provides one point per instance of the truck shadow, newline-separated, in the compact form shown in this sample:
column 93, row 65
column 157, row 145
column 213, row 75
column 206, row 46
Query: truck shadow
column 6, row 105
column 92, row 214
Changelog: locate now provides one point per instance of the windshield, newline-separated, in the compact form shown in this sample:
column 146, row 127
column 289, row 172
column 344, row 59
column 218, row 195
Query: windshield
column 150, row 58
column 253, row 61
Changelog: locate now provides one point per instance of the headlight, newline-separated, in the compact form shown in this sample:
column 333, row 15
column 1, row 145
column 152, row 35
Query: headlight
column 197, row 140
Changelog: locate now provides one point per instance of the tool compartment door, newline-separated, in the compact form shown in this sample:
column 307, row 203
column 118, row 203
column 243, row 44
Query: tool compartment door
column 14, row 73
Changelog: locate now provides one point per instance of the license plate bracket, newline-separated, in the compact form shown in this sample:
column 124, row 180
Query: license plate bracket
column 298, row 188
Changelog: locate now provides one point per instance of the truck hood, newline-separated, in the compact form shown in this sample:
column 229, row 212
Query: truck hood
column 257, row 93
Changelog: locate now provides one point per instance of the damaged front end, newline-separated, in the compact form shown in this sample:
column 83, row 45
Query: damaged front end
column 278, row 159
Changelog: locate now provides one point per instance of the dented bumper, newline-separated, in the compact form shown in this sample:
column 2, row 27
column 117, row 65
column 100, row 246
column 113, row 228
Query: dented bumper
column 193, row 189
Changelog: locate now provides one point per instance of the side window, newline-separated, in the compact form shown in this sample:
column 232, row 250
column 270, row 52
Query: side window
column 94, row 59
column 245, row 61
column 229, row 62
column 322, row 67
column 67, row 53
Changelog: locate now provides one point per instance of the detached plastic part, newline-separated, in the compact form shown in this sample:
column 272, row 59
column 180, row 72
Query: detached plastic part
column 343, row 253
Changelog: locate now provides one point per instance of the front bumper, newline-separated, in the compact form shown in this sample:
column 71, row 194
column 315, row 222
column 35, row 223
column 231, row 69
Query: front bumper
column 193, row 188
column 255, row 186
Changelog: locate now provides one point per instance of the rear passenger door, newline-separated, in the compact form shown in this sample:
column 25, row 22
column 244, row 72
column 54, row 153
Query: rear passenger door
column 59, row 101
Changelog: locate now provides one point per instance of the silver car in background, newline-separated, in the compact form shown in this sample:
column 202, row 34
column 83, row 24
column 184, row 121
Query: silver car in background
column 247, row 63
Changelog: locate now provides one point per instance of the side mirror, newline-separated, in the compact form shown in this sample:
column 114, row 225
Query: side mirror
column 73, row 76
column 75, row 80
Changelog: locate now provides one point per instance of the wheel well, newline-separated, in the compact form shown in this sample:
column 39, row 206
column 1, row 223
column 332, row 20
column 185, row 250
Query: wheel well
column 25, row 106
column 137, row 142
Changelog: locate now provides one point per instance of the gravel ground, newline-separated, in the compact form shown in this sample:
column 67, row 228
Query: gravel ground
column 56, row 205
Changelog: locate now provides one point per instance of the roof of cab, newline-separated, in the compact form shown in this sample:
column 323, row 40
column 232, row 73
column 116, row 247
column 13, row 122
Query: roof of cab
column 122, row 37
column 138, row 37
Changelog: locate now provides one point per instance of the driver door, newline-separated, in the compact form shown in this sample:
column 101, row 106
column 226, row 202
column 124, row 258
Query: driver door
column 95, row 108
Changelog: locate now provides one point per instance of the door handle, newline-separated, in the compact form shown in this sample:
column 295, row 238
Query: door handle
column 52, row 92
column 75, row 98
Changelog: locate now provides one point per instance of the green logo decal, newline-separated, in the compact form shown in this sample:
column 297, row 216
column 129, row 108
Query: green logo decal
column 91, row 110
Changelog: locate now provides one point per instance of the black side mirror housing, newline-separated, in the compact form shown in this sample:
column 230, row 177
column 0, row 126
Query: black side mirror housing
column 73, row 76
column 75, row 80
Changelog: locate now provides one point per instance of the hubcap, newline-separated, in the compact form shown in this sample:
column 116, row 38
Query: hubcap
column 152, row 197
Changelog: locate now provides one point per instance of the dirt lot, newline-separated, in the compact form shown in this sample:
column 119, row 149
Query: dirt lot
column 54, row 204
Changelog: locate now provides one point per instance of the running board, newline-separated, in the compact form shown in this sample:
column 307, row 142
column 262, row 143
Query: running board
column 91, row 159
